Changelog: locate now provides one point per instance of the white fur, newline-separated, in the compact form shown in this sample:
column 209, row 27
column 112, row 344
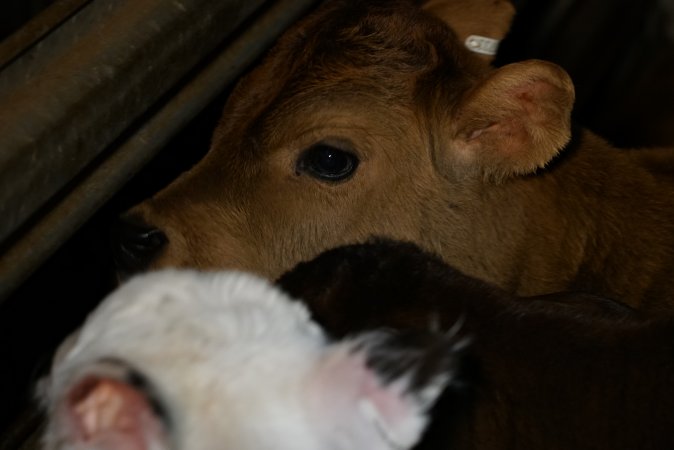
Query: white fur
column 236, row 363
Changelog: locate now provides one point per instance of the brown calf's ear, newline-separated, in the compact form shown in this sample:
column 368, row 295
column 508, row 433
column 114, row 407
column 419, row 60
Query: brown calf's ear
column 513, row 122
column 479, row 24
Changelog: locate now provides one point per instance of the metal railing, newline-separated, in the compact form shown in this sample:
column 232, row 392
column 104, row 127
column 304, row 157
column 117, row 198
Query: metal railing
column 69, row 101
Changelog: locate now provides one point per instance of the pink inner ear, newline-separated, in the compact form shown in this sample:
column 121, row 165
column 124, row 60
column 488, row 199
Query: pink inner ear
column 109, row 414
column 346, row 380
column 533, row 96
column 351, row 398
column 504, row 139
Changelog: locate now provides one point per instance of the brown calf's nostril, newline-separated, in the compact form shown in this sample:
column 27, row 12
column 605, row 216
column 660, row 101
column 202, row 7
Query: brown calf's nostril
column 134, row 245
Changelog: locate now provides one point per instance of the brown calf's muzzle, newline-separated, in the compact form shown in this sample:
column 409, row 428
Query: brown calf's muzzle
column 135, row 244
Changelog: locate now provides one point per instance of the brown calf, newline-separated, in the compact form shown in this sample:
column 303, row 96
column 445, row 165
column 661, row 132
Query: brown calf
column 373, row 118
column 557, row 372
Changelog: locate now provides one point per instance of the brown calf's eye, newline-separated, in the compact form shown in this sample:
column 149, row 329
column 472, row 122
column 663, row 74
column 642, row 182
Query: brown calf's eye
column 327, row 163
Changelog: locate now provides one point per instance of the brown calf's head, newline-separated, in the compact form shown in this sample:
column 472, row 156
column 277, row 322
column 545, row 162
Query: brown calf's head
column 367, row 118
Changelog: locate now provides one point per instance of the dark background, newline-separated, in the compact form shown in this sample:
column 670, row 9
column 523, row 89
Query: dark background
column 14, row 13
column 620, row 54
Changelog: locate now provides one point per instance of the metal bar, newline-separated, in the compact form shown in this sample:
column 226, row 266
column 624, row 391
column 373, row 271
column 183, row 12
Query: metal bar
column 97, row 187
column 37, row 28
column 73, row 93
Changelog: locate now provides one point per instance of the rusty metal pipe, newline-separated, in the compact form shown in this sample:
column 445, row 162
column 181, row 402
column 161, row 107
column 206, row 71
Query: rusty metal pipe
column 74, row 92
column 37, row 29
column 96, row 187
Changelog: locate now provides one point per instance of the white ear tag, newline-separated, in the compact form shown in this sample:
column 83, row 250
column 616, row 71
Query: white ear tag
column 482, row 44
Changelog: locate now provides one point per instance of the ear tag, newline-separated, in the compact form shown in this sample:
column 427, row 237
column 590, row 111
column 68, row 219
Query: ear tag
column 482, row 44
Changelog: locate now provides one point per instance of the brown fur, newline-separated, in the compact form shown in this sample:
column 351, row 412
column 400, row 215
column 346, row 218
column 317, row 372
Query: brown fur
column 468, row 161
column 565, row 371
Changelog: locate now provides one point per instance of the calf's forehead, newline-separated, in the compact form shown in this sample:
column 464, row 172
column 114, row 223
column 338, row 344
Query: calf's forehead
column 383, row 54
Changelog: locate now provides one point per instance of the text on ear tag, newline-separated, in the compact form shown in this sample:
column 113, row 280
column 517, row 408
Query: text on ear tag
column 482, row 45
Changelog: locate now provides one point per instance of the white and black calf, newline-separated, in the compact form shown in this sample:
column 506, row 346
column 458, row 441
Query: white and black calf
column 207, row 361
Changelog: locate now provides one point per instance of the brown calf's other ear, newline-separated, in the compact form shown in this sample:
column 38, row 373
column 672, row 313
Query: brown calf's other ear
column 513, row 122
column 479, row 24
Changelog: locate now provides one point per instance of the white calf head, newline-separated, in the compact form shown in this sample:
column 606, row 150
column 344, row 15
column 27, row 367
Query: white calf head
column 181, row 359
